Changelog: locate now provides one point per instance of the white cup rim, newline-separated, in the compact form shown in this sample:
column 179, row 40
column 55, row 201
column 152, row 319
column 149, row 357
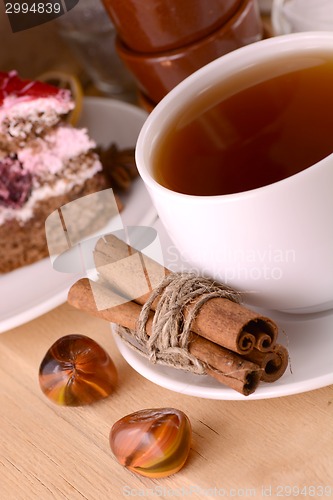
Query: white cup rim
column 197, row 82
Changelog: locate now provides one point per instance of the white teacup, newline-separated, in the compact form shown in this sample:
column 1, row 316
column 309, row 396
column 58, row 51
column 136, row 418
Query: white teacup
column 273, row 243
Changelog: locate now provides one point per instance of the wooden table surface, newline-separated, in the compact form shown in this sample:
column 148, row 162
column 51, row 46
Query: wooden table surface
column 243, row 449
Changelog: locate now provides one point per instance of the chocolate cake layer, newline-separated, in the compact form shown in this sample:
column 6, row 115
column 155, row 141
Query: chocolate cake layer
column 23, row 244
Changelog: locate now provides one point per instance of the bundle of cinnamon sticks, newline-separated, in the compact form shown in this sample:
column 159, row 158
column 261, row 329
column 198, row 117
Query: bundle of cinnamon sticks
column 237, row 346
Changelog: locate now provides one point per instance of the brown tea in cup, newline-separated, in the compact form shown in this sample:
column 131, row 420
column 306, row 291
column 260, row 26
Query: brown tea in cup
column 253, row 129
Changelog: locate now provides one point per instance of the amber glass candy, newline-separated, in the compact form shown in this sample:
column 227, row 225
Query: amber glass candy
column 77, row 371
column 152, row 442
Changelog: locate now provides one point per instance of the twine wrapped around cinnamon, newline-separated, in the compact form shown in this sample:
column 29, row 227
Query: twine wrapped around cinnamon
column 220, row 320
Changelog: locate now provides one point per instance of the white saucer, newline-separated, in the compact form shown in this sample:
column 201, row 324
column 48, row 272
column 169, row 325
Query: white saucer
column 310, row 344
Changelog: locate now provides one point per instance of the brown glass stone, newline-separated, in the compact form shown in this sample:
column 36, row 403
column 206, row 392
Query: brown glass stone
column 153, row 442
column 77, row 371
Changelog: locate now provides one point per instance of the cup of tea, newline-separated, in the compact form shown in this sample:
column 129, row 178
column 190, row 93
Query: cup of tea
column 238, row 161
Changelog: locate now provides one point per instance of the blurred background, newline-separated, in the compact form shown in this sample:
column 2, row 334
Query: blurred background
column 55, row 46
column 47, row 48
column 25, row 52
column 117, row 49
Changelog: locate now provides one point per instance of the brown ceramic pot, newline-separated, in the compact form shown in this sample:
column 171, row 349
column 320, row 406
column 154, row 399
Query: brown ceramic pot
column 157, row 74
column 159, row 25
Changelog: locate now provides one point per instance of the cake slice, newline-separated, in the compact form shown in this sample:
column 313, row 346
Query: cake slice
column 28, row 109
column 44, row 164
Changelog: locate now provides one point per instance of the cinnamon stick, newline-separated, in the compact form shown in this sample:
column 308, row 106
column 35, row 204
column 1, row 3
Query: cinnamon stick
column 225, row 366
column 273, row 363
column 220, row 320
column 263, row 342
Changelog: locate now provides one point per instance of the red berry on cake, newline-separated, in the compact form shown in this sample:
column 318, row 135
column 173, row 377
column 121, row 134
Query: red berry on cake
column 29, row 109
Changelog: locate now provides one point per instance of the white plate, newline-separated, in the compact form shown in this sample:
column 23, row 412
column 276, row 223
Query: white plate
column 308, row 338
column 33, row 290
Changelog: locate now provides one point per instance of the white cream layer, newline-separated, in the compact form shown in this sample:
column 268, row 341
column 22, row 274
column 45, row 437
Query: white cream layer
column 49, row 154
column 22, row 114
column 49, row 157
